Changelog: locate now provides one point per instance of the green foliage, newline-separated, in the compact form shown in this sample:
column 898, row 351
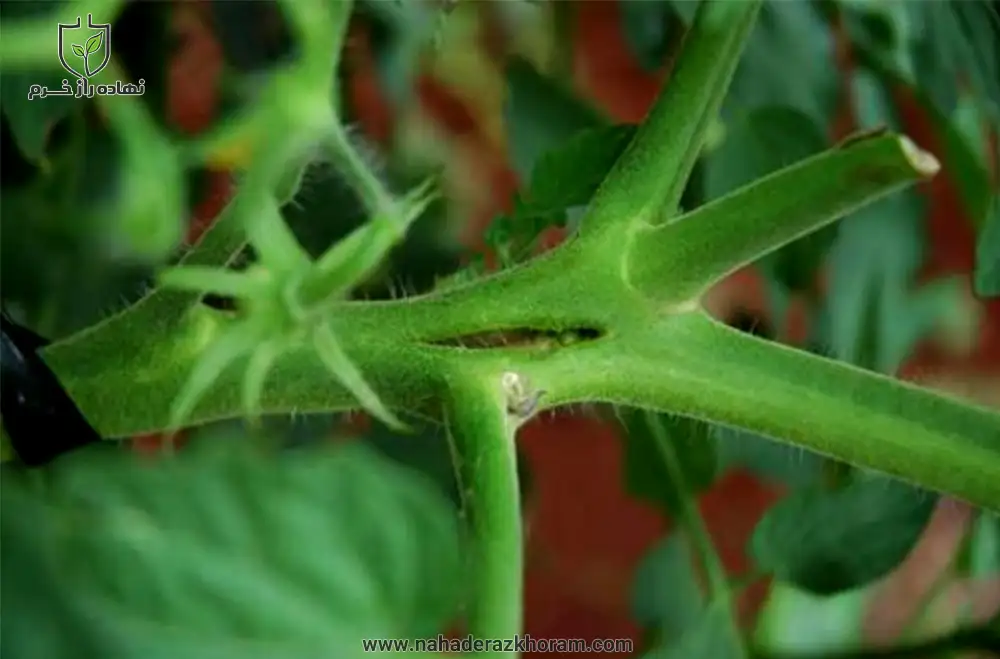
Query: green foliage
column 987, row 279
column 984, row 546
column 309, row 549
column 228, row 549
column 787, row 33
column 711, row 635
column 796, row 622
column 401, row 31
column 767, row 459
column 31, row 125
column 653, row 29
column 666, row 596
column 829, row 542
column 660, row 447
column 562, row 179
column 569, row 175
column 540, row 114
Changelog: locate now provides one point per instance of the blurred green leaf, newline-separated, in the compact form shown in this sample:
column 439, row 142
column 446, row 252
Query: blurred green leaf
column 228, row 550
column 563, row 179
column 665, row 591
column 53, row 218
column 874, row 316
column 826, row 542
column 872, row 104
column 569, row 174
column 931, row 47
column 794, row 622
column 400, row 31
column 652, row 474
column 978, row 27
column 32, row 121
column 956, row 43
column 766, row 458
column 540, row 114
column 712, row 635
column 892, row 30
column 963, row 139
column 654, row 28
column 425, row 450
column 787, row 32
column 984, row 545
column 987, row 279
column 758, row 144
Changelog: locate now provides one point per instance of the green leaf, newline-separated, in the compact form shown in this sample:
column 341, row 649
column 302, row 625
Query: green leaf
column 540, row 114
column 888, row 39
column 826, row 542
column 873, row 315
column 570, row 145
column 984, row 546
column 794, row 622
column 32, row 121
column 569, row 174
column 872, row 103
column 78, row 50
column 979, row 26
column 563, row 179
column 759, row 144
column 664, row 479
column 889, row 30
column 931, row 46
column 227, row 550
column 654, row 28
column 787, row 32
column 399, row 36
column 713, row 635
column 987, row 280
column 768, row 459
column 665, row 591
column 94, row 43
column 58, row 218
column 427, row 451
column 959, row 42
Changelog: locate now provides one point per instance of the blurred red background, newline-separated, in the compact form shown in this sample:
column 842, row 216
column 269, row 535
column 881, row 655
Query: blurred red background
column 586, row 535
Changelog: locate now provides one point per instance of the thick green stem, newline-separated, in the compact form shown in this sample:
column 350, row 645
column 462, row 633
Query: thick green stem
column 692, row 365
column 483, row 435
column 678, row 362
column 647, row 181
column 678, row 261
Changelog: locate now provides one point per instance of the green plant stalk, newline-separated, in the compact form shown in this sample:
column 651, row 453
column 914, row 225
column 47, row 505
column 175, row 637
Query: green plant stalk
column 483, row 437
column 657, row 348
column 647, row 182
column 660, row 356
column 769, row 213
column 693, row 365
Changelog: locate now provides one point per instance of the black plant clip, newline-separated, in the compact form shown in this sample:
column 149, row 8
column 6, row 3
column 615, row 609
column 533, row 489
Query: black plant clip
column 39, row 417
